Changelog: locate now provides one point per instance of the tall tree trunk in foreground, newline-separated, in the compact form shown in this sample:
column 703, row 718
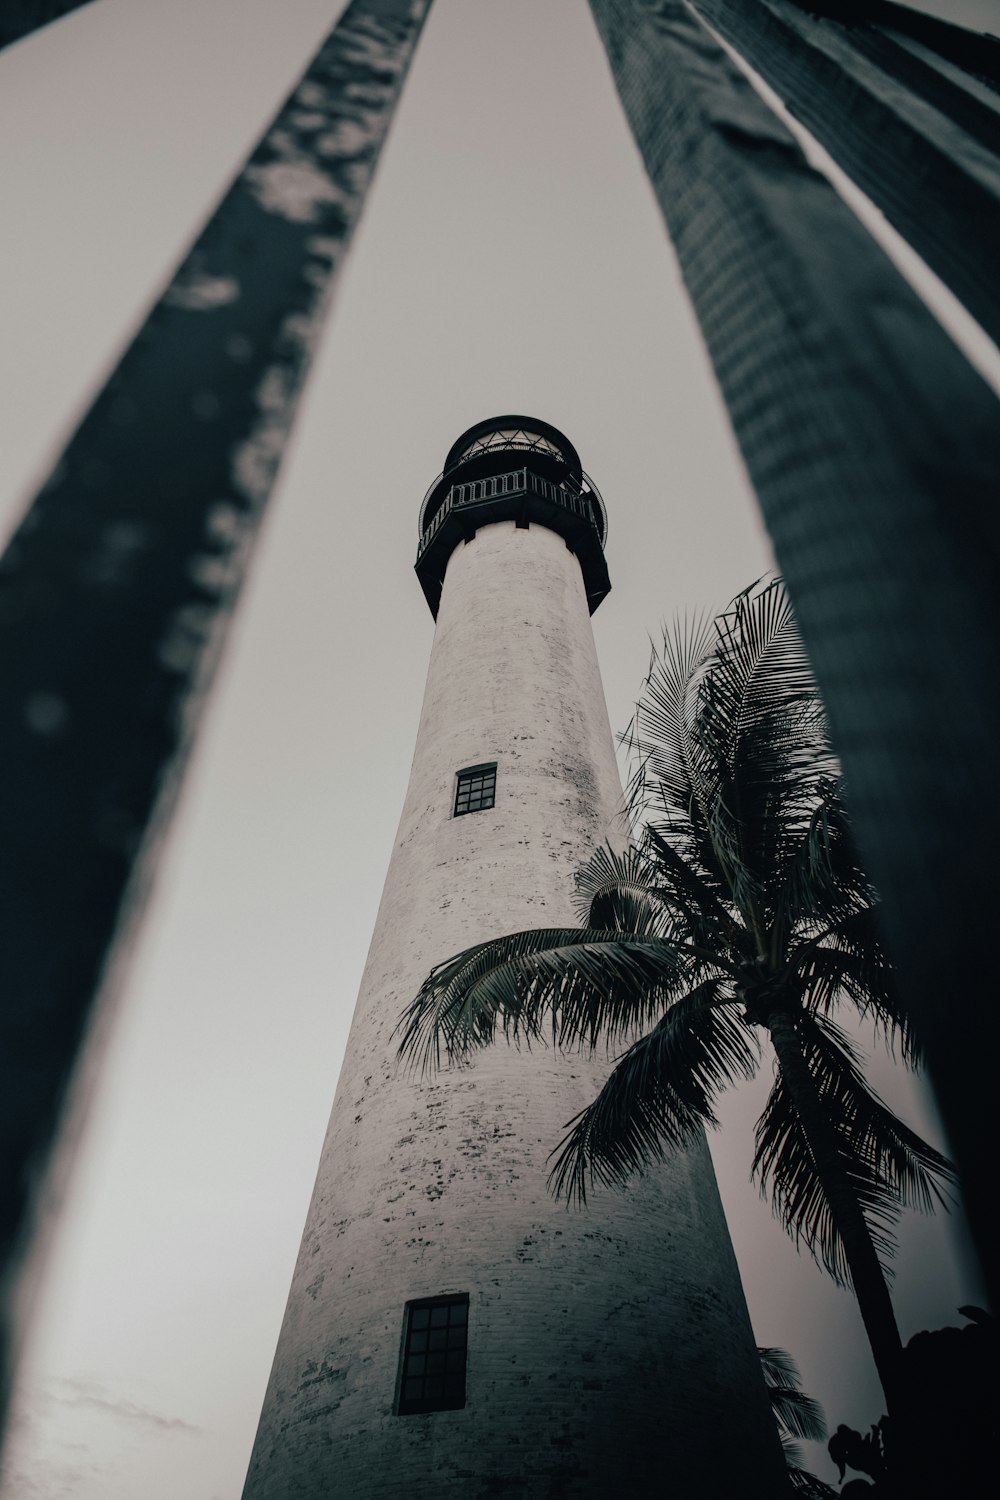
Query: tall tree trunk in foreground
column 872, row 446
column 937, row 183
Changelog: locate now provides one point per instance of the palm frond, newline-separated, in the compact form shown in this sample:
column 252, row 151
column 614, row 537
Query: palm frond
column 730, row 745
column 575, row 987
column 849, row 962
column 822, row 875
column 695, row 837
column 663, row 747
column 797, row 1416
column 759, row 667
column 761, row 719
column 796, row 1413
column 726, row 828
column 615, row 891
column 900, row 1161
column 760, row 711
column 658, row 1094
column 697, row 901
column 886, row 1165
column 777, row 1367
column 802, row 1481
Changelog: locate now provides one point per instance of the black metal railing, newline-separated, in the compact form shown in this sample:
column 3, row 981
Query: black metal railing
column 495, row 487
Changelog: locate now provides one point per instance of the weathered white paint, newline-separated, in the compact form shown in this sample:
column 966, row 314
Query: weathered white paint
column 610, row 1350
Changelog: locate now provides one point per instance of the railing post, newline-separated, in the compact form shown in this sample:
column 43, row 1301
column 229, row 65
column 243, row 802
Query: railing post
column 116, row 591
column 872, row 446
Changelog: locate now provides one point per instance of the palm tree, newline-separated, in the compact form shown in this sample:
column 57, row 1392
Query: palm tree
column 796, row 1416
column 741, row 913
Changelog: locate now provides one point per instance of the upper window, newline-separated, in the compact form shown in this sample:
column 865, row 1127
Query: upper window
column 434, row 1348
column 477, row 789
column 510, row 437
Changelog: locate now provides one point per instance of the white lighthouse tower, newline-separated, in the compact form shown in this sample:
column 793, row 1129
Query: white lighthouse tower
column 451, row 1330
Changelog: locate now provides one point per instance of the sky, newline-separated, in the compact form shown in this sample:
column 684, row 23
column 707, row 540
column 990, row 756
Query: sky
column 511, row 258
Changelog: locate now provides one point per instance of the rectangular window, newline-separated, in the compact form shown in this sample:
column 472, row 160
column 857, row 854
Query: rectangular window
column 477, row 789
column 434, row 1346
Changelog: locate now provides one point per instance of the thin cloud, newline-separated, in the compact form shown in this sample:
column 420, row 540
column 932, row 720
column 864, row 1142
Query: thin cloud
column 70, row 1392
column 43, row 1462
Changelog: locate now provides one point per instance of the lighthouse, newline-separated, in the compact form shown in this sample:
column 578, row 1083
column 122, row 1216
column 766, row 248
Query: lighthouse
column 451, row 1330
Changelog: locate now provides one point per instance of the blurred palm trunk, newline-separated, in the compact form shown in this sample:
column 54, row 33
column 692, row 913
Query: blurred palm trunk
column 922, row 148
column 872, row 446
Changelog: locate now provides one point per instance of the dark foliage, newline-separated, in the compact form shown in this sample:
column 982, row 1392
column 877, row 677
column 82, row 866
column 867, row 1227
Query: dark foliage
column 943, row 1440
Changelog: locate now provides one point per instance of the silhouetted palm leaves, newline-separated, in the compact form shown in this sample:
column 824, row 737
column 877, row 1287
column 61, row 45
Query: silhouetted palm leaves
column 797, row 1416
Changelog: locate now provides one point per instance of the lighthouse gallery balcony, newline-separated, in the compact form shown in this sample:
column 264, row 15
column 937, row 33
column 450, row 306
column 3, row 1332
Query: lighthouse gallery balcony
column 553, row 491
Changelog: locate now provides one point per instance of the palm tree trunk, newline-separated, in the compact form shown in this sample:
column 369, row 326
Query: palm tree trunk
column 867, row 1275
column 871, row 445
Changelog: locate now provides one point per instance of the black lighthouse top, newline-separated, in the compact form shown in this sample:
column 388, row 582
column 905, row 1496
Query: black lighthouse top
column 512, row 469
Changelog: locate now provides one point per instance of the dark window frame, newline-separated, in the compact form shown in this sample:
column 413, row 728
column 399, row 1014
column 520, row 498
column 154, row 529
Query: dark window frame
column 435, row 1334
column 475, row 789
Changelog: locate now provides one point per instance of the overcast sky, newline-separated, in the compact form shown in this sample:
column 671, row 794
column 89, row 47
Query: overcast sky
column 511, row 259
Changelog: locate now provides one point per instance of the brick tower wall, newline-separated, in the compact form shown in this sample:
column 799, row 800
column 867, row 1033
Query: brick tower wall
column 609, row 1348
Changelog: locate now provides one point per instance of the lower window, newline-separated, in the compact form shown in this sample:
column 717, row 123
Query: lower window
column 435, row 1340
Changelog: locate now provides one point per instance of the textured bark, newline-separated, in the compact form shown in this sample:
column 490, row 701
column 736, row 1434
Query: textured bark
column 977, row 53
column 929, row 82
column 867, row 1276
column 872, row 446
column 117, row 589
column 934, row 181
